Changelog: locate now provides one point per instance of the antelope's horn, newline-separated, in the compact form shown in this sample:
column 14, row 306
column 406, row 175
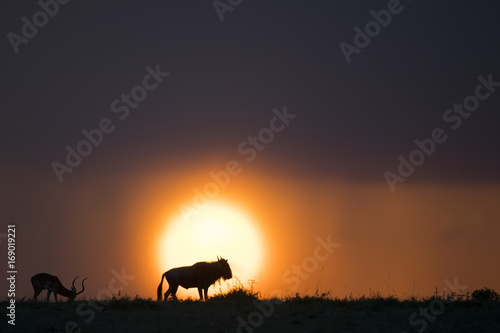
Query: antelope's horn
column 83, row 287
column 73, row 283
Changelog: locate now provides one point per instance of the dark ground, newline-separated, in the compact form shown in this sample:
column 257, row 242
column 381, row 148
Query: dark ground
column 244, row 313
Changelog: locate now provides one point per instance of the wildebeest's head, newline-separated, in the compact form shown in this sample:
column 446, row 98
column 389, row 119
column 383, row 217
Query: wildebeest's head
column 226, row 270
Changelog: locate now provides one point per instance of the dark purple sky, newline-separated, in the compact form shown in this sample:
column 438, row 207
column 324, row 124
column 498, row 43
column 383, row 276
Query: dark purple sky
column 225, row 77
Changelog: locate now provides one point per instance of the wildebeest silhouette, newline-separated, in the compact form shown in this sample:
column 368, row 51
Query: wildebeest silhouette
column 200, row 275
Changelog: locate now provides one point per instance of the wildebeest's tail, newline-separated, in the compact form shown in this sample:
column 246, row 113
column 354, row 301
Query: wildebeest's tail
column 160, row 286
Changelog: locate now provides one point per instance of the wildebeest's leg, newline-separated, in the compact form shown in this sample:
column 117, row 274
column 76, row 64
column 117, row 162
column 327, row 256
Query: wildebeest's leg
column 206, row 293
column 200, row 292
column 48, row 294
column 172, row 289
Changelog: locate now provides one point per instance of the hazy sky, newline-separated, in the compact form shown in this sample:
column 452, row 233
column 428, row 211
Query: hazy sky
column 179, row 93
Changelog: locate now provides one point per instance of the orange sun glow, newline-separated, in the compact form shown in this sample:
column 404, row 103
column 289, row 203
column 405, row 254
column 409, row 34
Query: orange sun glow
column 221, row 229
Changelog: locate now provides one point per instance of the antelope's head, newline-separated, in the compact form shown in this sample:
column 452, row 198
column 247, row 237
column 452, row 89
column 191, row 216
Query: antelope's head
column 73, row 289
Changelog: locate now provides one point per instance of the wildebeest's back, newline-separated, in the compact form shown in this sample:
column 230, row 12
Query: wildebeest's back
column 197, row 275
column 183, row 276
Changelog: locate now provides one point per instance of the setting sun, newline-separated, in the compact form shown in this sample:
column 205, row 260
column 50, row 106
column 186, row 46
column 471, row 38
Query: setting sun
column 218, row 230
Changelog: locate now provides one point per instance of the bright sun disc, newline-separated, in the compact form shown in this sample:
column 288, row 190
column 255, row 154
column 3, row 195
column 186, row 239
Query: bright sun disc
column 218, row 230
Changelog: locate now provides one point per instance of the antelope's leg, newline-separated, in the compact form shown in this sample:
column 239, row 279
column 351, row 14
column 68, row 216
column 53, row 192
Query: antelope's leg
column 37, row 292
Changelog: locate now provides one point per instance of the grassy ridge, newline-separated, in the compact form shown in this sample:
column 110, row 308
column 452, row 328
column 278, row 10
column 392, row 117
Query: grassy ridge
column 242, row 310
